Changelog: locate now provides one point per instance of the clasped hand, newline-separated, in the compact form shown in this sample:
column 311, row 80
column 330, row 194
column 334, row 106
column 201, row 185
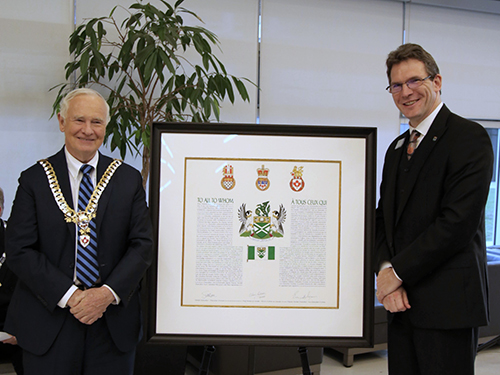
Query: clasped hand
column 89, row 305
column 390, row 292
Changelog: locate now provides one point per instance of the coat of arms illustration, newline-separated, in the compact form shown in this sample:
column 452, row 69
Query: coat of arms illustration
column 264, row 224
column 262, row 182
column 297, row 183
column 228, row 181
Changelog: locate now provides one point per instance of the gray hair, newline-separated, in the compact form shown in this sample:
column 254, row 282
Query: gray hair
column 81, row 91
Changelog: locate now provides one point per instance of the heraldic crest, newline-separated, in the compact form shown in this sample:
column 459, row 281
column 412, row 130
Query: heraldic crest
column 264, row 224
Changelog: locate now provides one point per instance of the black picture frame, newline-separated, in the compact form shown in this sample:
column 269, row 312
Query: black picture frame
column 368, row 138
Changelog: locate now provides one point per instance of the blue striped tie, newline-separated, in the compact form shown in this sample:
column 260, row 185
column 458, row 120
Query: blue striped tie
column 87, row 268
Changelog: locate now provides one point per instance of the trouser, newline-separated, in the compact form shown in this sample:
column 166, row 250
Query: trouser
column 81, row 349
column 418, row 351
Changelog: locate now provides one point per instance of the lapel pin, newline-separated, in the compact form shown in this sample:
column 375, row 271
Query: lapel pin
column 435, row 138
column 399, row 144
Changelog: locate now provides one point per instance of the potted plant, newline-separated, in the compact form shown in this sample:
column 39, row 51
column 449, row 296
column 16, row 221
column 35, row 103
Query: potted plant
column 145, row 65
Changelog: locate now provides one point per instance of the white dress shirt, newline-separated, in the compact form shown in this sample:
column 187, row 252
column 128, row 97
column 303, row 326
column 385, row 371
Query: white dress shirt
column 75, row 177
column 422, row 128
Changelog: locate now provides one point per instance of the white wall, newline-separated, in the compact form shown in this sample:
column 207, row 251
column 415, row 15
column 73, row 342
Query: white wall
column 466, row 47
column 322, row 62
column 33, row 52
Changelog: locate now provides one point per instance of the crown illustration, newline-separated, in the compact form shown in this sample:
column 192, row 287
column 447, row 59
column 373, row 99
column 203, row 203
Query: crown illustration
column 297, row 172
column 228, row 170
column 262, row 172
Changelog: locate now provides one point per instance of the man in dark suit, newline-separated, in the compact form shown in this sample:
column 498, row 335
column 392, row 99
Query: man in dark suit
column 66, row 321
column 430, row 237
column 9, row 350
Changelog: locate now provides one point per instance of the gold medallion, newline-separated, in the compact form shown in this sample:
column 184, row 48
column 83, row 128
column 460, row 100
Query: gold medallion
column 81, row 218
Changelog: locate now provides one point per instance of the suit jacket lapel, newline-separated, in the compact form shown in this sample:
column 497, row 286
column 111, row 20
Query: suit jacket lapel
column 433, row 136
column 102, row 165
column 392, row 170
column 60, row 166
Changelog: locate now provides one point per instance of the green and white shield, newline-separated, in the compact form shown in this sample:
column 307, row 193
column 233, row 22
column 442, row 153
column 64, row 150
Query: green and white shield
column 261, row 226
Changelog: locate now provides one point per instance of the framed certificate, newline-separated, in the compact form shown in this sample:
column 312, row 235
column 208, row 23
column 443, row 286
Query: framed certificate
column 263, row 234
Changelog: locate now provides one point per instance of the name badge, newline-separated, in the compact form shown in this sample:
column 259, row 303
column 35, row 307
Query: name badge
column 400, row 143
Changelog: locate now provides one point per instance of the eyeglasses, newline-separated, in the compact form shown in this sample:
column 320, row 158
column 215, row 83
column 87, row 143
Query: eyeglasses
column 412, row 85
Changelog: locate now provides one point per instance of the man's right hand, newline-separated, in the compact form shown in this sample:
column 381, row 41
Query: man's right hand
column 75, row 298
column 92, row 304
column 11, row 340
column 397, row 301
column 387, row 283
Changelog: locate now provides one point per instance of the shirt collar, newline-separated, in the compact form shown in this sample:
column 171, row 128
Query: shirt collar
column 74, row 164
column 425, row 125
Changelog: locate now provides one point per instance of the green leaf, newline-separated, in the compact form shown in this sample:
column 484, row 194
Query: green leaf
column 211, row 85
column 84, row 62
column 93, row 65
column 184, row 10
column 195, row 95
column 80, row 44
column 74, row 39
column 241, row 89
column 133, row 20
column 155, row 11
column 229, row 89
column 125, row 55
column 112, row 12
column 100, row 30
column 176, row 105
column 180, row 80
column 93, row 41
column 170, row 10
column 141, row 43
column 166, row 60
column 144, row 54
column 159, row 67
column 71, row 67
column 123, row 150
column 150, row 66
column 145, row 139
column 216, row 109
column 197, row 117
column 185, row 41
column 201, row 44
column 216, row 68
column 169, row 86
column 57, row 103
column 221, row 66
column 137, row 135
column 207, row 108
column 113, row 68
column 89, row 28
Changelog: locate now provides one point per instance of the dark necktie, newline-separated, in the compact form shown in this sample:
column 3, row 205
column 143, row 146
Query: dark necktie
column 87, row 268
column 412, row 145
